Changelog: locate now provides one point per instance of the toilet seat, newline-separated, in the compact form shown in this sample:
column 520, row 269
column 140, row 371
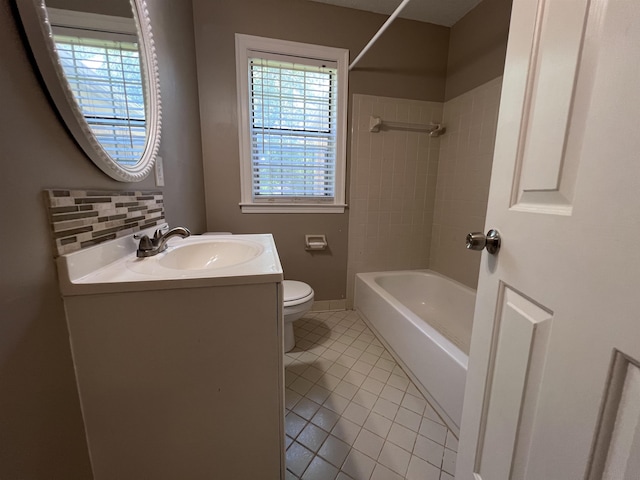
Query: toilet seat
column 296, row 293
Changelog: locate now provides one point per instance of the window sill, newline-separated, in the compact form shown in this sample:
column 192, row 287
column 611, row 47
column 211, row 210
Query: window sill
column 291, row 208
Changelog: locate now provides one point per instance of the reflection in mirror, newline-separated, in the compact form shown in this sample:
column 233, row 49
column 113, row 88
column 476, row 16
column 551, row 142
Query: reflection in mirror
column 99, row 56
column 105, row 84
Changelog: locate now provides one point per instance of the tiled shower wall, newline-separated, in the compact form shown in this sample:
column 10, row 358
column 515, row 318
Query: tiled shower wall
column 392, row 187
column 464, row 172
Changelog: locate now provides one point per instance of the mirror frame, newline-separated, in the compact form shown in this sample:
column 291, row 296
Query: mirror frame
column 35, row 20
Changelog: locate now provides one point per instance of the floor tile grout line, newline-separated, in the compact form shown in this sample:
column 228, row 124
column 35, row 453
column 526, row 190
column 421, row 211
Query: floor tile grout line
column 378, row 396
column 317, row 382
column 351, row 447
column 404, row 373
column 405, row 391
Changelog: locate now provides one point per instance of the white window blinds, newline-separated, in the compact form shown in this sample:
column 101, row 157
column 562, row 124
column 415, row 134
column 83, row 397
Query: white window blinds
column 105, row 78
column 293, row 128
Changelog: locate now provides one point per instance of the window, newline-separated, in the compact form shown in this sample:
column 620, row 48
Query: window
column 292, row 104
column 100, row 58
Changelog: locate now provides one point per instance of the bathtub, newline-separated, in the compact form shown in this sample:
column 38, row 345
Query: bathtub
column 425, row 319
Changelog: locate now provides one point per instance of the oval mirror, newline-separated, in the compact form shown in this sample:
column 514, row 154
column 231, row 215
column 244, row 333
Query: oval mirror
column 98, row 62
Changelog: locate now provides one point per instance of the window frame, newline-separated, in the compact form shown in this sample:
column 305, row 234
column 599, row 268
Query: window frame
column 248, row 46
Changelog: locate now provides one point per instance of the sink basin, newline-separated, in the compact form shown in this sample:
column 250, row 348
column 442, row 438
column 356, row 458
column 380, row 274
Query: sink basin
column 210, row 254
column 198, row 255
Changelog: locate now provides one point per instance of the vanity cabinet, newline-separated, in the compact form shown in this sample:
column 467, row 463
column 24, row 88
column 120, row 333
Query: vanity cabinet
column 181, row 380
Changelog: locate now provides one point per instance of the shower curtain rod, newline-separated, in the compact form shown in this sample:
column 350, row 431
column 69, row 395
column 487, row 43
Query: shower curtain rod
column 380, row 32
column 433, row 129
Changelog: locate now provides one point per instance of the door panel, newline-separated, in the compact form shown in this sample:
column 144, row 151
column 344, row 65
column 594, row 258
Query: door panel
column 522, row 332
column 615, row 453
column 557, row 42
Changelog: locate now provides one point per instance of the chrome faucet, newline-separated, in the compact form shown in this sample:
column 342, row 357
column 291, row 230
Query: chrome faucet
column 149, row 247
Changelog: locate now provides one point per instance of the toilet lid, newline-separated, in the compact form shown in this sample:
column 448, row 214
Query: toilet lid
column 294, row 290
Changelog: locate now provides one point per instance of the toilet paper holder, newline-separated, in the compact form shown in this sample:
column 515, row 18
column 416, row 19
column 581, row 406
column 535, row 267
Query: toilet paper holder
column 315, row 242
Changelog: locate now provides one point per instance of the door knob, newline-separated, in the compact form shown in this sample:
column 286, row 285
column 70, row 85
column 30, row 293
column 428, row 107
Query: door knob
column 490, row 241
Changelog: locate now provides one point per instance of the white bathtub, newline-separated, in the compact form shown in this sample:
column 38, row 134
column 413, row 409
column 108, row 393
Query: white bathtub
column 425, row 318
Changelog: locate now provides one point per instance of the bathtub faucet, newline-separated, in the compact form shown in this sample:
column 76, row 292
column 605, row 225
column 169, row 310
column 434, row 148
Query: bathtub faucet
column 149, row 247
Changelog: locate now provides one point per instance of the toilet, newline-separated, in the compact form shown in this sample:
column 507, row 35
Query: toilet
column 298, row 299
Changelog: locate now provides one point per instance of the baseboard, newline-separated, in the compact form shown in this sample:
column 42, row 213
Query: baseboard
column 325, row 305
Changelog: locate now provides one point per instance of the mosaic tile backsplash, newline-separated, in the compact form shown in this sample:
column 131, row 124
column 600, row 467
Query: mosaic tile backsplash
column 83, row 218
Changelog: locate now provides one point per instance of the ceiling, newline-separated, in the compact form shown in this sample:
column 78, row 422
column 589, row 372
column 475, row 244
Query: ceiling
column 440, row 12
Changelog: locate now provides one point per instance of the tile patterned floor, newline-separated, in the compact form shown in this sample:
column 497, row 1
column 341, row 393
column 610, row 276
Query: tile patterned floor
column 352, row 413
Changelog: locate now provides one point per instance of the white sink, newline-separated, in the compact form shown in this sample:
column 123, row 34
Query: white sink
column 210, row 254
column 198, row 253
column 199, row 260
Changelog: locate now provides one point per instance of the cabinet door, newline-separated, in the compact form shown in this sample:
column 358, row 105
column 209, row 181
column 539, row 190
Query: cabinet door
column 181, row 383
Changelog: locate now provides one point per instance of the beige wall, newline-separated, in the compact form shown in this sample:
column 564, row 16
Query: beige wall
column 478, row 46
column 41, row 433
column 392, row 68
column 464, row 172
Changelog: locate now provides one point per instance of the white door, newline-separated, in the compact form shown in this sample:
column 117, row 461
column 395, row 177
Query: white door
column 553, row 390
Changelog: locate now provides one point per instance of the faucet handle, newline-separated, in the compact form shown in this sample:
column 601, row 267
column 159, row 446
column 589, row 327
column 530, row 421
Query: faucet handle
column 159, row 232
column 146, row 245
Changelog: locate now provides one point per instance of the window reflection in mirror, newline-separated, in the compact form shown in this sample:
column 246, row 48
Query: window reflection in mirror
column 100, row 58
